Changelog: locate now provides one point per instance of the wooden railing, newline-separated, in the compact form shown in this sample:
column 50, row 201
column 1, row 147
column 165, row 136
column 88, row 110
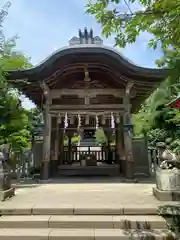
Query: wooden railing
column 101, row 154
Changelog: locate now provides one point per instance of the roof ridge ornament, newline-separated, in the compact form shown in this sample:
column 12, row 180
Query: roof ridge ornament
column 86, row 37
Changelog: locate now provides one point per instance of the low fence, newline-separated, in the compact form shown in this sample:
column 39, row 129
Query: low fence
column 20, row 164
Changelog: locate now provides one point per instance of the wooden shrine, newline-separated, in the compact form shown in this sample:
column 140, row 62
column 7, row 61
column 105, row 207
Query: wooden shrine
column 87, row 85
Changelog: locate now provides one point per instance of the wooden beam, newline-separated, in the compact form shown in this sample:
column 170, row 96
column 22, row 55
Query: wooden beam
column 57, row 93
column 105, row 114
column 90, row 107
column 45, row 88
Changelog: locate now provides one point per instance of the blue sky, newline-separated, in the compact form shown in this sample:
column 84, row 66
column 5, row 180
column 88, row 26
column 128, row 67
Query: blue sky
column 44, row 26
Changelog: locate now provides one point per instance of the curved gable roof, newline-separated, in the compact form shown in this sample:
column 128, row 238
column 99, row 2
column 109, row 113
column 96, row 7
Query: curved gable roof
column 89, row 49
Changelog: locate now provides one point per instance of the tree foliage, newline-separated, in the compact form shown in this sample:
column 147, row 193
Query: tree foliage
column 100, row 137
column 14, row 121
column 159, row 18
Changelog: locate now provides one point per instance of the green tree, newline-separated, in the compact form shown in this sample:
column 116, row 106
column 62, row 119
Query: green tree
column 160, row 18
column 100, row 137
column 14, row 124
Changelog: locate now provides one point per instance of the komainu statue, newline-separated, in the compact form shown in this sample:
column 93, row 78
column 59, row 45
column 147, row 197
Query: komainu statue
column 169, row 160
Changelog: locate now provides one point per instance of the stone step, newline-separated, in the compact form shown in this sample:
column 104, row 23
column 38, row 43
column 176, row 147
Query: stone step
column 83, row 234
column 44, row 209
column 86, row 221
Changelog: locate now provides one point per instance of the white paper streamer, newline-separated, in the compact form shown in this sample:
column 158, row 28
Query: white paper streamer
column 66, row 121
column 112, row 121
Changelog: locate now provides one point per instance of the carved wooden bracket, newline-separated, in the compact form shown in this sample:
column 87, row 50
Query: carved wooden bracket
column 46, row 90
column 86, row 74
column 129, row 87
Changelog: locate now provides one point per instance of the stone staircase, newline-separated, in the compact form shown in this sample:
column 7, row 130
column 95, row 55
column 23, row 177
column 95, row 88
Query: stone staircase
column 82, row 223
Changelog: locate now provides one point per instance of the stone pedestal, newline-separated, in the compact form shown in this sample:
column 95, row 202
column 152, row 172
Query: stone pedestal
column 45, row 171
column 166, row 195
column 167, row 185
column 7, row 194
column 6, row 191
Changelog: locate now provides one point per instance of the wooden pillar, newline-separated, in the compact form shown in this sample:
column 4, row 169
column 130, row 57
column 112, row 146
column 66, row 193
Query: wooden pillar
column 70, row 133
column 117, row 143
column 120, row 144
column 128, row 138
column 61, row 145
column 57, row 145
column 54, row 160
column 45, row 167
column 108, row 133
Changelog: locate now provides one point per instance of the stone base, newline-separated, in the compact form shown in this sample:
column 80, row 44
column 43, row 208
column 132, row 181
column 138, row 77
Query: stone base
column 166, row 195
column 7, row 194
column 130, row 180
column 44, row 181
column 54, row 168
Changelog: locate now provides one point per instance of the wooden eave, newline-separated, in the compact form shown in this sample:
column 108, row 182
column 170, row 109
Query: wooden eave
column 71, row 59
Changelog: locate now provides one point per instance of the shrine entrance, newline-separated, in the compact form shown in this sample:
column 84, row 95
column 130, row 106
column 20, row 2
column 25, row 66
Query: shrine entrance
column 87, row 145
column 87, row 89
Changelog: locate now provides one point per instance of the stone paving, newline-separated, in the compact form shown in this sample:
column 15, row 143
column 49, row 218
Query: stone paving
column 80, row 192
column 77, row 208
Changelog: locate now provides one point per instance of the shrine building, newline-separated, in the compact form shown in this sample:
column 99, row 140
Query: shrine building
column 84, row 87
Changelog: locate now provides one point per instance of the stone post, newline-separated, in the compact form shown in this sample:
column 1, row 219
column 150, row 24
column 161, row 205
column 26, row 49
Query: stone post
column 45, row 167
column 128, row 138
